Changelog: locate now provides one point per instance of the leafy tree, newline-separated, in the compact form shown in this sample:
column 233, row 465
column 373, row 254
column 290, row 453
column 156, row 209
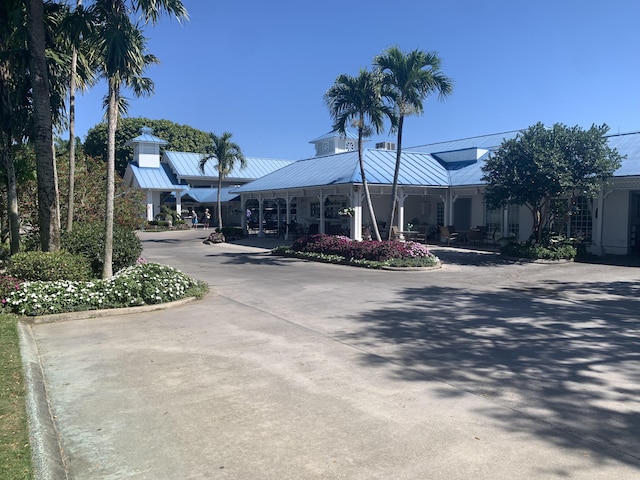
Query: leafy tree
column 542, row 164
column 411, row 77
column 227, row 153
column 180, row 138
column 360, row 100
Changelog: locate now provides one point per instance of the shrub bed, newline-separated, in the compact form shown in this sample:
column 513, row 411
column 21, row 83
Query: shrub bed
column 140, row 284
column 49, row 266
column 369, row 253
column 559, row 251
column 88, row 240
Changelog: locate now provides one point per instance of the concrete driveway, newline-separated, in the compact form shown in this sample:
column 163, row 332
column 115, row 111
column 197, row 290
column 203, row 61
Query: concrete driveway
column 296, row 370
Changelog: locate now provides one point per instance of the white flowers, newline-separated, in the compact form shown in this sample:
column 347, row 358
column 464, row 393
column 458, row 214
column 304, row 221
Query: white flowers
column 143, row 283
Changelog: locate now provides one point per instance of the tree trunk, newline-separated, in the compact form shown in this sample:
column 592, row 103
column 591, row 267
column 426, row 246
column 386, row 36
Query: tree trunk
column 219, row 200
column 72, row 139
column 365, row 186
column 112, row 113
column 6, row 156
column 48, row 210
column 396, row 174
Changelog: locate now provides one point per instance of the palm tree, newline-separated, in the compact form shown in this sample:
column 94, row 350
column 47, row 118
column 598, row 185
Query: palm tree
column 48, row 208
column 227, row 153
column 15, row 108
column 360, row 100
column 412, row 77
column 121, row 45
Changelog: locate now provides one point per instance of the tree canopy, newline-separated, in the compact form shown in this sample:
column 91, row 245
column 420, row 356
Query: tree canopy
column 542, row 164
column 181, row 138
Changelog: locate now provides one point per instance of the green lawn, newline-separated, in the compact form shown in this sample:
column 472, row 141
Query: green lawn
column 15, row 452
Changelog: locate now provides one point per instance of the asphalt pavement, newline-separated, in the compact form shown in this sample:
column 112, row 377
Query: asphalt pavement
column 288, row 369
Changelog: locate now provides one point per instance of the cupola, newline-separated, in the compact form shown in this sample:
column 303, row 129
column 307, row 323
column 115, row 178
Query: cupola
column 146, row 148
column 335, row 142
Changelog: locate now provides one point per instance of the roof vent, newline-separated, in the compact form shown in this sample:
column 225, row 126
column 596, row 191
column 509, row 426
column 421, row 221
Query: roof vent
column 386, row 145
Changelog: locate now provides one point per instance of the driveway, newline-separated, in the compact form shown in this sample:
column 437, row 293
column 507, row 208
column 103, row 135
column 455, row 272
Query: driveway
column 290, row 369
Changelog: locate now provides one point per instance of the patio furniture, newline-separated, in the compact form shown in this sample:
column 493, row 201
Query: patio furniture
column 476, row 236
column 448, row 235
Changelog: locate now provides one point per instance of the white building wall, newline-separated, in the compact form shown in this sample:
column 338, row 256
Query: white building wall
column 615, row 232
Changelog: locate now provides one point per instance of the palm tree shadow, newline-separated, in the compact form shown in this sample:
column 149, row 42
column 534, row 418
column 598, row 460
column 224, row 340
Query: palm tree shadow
column 563, row 355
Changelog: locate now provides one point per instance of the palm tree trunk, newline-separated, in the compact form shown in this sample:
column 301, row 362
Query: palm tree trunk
column 48, row 210
column 112, row 113
column 219, row 201
column 6, row 156
column 365, row 186
column 72, row 138
column 396, row 174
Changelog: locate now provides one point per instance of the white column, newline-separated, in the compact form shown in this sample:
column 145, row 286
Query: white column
column 597, row 235
column 243, row 214
column 149, row 205
column 400, row 202
column 178, row 204
column 288, row 207
column 321, row 226
column 260, row 217
column 356, row 220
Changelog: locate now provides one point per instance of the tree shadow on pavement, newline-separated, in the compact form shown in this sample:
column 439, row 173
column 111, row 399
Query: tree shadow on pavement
column 564, row 355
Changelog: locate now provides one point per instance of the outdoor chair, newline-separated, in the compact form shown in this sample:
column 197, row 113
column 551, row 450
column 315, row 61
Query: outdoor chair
column 421, row 234
column 476, row 236
column 448, row 235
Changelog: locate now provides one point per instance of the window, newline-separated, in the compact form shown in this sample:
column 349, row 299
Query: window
column 581, row 219
column 440, row 214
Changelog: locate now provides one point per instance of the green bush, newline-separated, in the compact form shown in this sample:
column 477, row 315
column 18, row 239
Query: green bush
column 558, row 251
column 49, row 266
column 88, row 240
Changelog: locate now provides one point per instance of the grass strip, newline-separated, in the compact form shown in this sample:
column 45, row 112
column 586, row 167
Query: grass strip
column 15, row 451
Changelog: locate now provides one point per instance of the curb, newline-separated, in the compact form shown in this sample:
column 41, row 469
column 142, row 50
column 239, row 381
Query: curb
column 46, row 444
column 86, row 314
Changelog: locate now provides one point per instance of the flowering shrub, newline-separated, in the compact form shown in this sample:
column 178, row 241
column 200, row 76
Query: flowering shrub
column 140, row 284
column 8, row 285
column 390, row 252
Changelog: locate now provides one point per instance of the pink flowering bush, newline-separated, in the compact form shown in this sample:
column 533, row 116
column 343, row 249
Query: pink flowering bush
column 8, row 285
column 390, row 252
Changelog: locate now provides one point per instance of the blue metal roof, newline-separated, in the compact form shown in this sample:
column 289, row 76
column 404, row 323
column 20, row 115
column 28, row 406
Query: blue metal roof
column 343, row 168
column 187, row 165
column 627, row 144
column 146, row 136
column 207, row 195
column 488, row 142
column 155, row 178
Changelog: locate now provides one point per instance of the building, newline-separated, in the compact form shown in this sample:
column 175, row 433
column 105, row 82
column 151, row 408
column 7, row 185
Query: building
column 174, row 179
column 439, row 184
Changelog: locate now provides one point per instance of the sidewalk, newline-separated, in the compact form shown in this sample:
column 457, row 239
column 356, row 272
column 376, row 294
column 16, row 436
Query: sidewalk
column 297, row 370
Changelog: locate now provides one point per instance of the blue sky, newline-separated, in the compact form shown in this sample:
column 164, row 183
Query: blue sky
column 259, row 69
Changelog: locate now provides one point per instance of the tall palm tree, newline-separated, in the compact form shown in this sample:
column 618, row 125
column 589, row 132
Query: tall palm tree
column 122, row 46
column 227, row 153
column 359, row 100
column 412, row 77
column 48, row 208
column 15, row 108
